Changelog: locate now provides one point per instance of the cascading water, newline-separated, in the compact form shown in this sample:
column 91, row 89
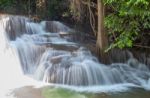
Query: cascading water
column 46, row 57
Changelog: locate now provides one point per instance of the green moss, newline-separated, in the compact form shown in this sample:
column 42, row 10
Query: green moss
column 60, row 93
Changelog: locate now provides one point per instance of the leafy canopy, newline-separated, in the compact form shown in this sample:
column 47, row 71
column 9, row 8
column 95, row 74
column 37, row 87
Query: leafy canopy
column 126, row 20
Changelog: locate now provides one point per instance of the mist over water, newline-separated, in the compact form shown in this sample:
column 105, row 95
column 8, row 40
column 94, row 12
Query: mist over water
column 29, row 54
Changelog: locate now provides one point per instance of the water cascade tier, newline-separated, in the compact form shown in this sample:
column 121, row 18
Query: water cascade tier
column 44, row 54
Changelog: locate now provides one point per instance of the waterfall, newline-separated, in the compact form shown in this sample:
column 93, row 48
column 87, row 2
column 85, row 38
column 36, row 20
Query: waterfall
column 10, row 69
column 8, row 54
column 46, row 56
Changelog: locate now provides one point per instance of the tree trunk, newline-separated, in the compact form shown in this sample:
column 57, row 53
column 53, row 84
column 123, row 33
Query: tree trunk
column 102, row 41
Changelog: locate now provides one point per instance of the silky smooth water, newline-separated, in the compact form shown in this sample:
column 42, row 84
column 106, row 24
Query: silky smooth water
column 28, row 51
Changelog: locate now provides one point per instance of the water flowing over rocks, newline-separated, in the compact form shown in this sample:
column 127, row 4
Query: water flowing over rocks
column 47, row 56
column 55, row 26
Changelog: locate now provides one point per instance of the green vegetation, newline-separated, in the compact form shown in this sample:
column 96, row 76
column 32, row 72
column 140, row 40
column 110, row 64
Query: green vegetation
column 127, row 21
column 57, row 9
column 4, row 4
column 115, row 24
column 60, row 93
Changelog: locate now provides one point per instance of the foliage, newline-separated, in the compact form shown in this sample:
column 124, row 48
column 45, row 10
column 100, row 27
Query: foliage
column 53, row 9
column 6, row 3
column 60, row 93
column 77, row 9
column 126, row 21
column 56, row 8
column 15, row 6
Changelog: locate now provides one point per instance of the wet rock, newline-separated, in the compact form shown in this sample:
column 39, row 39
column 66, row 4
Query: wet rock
column 56, row 60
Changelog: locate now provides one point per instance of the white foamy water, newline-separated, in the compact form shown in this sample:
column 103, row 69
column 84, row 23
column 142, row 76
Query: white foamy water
column 11, row 74
column 28, row 52
column 99, row 89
